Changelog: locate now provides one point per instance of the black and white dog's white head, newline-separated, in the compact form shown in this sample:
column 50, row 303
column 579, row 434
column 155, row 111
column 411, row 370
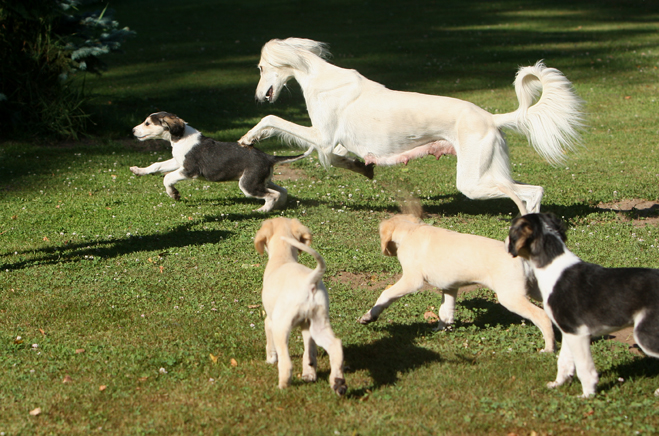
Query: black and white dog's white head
column 160, row 125
column 538, row 237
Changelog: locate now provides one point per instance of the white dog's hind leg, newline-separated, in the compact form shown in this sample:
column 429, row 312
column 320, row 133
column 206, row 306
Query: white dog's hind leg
column 309, row 361
column 447, row 309
column 406, row 285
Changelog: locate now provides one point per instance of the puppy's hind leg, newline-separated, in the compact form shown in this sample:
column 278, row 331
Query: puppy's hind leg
column 257, row 189
column 309, row 359
column 514, row 299
column 280, row 337
column 283, row 195
column 447, row 309
column 322, row 333
column 646, row 332
column 270, row 351
column 406, row 285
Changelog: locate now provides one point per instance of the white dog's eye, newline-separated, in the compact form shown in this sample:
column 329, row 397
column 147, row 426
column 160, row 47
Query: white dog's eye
column 147, row 123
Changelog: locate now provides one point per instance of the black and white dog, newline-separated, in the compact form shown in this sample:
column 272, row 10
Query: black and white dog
column 198, row 156
column 584, row 299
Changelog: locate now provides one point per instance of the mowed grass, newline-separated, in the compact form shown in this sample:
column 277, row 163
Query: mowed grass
column 140, row 315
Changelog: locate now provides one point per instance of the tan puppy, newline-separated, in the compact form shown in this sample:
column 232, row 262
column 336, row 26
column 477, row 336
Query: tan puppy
column 448, row 260
column 294, row 295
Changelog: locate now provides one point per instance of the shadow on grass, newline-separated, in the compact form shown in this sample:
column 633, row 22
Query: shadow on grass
column 180, row 236
column 385, row 359
column 644, row 367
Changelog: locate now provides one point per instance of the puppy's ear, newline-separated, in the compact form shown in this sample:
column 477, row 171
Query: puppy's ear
column 556, row 224
column 262, row 236
column 519, row 237
column 301, row 232
column 387, row 246
column 174, row 124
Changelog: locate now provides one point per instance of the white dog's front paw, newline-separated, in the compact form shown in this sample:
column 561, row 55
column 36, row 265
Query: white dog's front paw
column 271, row 359
column 247, row 140
column 137, row 171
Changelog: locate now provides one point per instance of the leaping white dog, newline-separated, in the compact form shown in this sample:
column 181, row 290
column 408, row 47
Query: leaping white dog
column 349, row 112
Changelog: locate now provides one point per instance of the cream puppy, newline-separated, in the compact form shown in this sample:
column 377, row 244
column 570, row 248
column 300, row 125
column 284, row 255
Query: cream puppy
column 294, row 295
column 449, row 260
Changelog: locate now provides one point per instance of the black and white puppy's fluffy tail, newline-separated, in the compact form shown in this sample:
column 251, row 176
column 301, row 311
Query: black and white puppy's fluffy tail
column 317, row 274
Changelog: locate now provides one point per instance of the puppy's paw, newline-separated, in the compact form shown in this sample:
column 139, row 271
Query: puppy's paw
column 367, row 318
column 309, row 378
column 271, row 360
column 136, row 170
column 174, row 194
column 340, row 386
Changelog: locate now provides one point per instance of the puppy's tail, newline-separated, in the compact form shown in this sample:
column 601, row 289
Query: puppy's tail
column 316, row 274
column 288, row 159
column 552, row 124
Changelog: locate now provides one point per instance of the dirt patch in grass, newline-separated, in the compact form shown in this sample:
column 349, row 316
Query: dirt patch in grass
column 286, row 172
column 640, row 212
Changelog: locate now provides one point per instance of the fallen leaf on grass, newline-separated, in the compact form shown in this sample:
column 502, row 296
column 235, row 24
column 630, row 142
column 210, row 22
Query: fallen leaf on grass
column 36, row 411
column 102, row 388
column 162, row 268
column 80, row 350
column 253, row 306
column 213, row 358
column 42, row 332
column 233, row 362
column 430, row 317
column 143, row 379
column 67, row 379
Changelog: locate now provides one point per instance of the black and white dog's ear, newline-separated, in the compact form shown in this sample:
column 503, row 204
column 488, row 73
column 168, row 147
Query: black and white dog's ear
column 174, row 124
column 520, row 237
column 556, row 224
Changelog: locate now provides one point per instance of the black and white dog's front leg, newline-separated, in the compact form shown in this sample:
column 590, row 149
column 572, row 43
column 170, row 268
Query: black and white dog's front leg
column 575, row 353
column 158, row 167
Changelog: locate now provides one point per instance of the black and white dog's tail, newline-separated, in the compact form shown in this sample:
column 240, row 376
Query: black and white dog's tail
column 317, row 274
column 288, row 159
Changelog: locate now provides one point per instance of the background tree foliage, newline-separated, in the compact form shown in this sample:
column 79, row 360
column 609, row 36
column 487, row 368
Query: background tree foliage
column 42, row 44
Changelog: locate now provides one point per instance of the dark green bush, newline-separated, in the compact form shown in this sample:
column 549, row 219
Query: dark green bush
column 43, row 43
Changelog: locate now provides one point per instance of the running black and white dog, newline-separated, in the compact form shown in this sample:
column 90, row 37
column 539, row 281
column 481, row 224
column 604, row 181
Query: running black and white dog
column 584, row 299
column 198, row 156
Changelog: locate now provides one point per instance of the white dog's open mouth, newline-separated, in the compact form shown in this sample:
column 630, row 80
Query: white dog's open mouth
column 269, row 94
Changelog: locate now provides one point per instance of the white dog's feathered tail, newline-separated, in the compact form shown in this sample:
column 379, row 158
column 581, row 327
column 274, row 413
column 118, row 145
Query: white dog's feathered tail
column 551, row 124
column 317, row 274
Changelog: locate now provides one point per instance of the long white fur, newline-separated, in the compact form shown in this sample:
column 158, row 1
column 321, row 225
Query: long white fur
column 349, row 112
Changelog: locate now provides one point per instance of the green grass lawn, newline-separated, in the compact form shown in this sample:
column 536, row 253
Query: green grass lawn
column 124, row 312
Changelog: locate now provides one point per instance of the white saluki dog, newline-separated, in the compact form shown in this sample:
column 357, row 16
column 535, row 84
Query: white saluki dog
column 350, row 113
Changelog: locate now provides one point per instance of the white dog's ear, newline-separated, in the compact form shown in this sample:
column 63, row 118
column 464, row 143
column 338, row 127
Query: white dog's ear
column 301, row 232
column 262, row 236
column 387, row 246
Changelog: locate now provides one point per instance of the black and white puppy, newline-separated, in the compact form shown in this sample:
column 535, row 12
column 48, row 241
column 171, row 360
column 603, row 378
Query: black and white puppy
column 195, row 155
column 584, row 299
